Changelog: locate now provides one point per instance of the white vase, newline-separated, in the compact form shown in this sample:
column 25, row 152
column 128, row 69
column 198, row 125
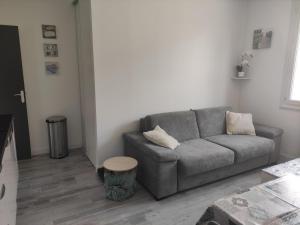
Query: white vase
column 241, row 74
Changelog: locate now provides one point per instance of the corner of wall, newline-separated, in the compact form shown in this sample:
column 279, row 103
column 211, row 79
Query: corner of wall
column 87, row 75
column 243, row 47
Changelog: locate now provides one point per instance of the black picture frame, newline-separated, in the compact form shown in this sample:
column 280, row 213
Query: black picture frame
column 50, row 50
column 49, row 31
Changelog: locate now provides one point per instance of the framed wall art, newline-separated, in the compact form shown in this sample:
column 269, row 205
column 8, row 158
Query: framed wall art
column 262, row 38
column 52, row 68
column 49, row 31
column 50, row 50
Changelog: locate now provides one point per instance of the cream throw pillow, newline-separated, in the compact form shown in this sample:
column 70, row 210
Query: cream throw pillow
column 239, row 123
column 160, row 137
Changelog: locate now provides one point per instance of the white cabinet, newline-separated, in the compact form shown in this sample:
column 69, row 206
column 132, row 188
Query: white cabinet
column 9, row 183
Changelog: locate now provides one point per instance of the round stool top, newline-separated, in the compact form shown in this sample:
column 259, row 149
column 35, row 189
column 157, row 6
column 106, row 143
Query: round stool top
column 120, row 164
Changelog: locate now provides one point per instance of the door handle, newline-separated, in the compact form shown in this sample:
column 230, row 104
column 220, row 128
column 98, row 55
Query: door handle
column 22, row 95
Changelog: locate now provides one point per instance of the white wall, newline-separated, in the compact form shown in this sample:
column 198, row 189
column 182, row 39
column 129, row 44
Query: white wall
column 47, row 95
column 87, row 82
column 161, row 55
column 261, row 95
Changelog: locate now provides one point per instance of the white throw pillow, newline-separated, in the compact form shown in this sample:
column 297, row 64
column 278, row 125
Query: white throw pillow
column 160, row 137
column 239, row 123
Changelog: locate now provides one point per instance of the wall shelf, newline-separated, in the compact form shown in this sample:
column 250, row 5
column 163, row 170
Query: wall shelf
column 241, row 78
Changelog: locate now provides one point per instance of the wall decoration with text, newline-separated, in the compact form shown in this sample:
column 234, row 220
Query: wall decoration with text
column 52, row 68
column 50, row 50
column 49, row 31
column 262, row 38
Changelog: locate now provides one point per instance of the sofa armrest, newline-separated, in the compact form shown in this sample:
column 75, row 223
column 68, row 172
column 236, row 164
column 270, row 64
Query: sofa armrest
column 272, row 133
column 267, row 131
column 157, row 166
column 157, row 153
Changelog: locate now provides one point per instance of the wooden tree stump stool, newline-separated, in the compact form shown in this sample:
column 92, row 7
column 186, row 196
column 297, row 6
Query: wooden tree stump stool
column 119, row 177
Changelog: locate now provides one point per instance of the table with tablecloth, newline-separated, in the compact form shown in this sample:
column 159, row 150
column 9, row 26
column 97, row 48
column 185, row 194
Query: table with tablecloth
column 272, row 203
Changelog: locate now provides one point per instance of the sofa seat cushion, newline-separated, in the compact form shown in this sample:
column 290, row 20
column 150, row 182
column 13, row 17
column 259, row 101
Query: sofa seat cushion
column 245, row 147
column 198, row 156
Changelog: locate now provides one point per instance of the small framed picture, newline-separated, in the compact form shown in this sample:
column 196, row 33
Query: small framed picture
column 52, row 68
column 50, row 50
column 49, row 31
column 262, row 38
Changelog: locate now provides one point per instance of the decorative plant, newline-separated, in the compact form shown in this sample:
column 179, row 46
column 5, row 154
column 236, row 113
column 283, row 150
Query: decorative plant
column 245, row 61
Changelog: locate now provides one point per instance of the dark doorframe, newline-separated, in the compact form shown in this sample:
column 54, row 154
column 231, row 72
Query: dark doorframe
column 12, row 90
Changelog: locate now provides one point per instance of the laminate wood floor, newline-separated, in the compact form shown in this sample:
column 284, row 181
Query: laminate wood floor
column 69, row 192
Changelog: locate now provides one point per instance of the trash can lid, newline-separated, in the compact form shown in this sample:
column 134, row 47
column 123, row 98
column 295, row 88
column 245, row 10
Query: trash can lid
column 54, row 119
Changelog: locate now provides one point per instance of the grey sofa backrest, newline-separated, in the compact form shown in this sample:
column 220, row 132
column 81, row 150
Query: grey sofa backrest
column 212, row 121
column 181, row 125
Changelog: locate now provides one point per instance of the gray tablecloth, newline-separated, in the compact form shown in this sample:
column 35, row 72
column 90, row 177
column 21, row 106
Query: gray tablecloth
column 272, row 203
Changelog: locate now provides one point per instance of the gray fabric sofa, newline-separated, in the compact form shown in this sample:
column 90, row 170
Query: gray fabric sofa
column 205, row 154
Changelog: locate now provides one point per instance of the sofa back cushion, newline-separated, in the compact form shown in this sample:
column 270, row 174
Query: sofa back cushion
column 180, row 125
column 212, row 121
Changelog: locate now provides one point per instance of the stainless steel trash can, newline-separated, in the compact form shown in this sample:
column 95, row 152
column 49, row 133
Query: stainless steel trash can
column 58, row 136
